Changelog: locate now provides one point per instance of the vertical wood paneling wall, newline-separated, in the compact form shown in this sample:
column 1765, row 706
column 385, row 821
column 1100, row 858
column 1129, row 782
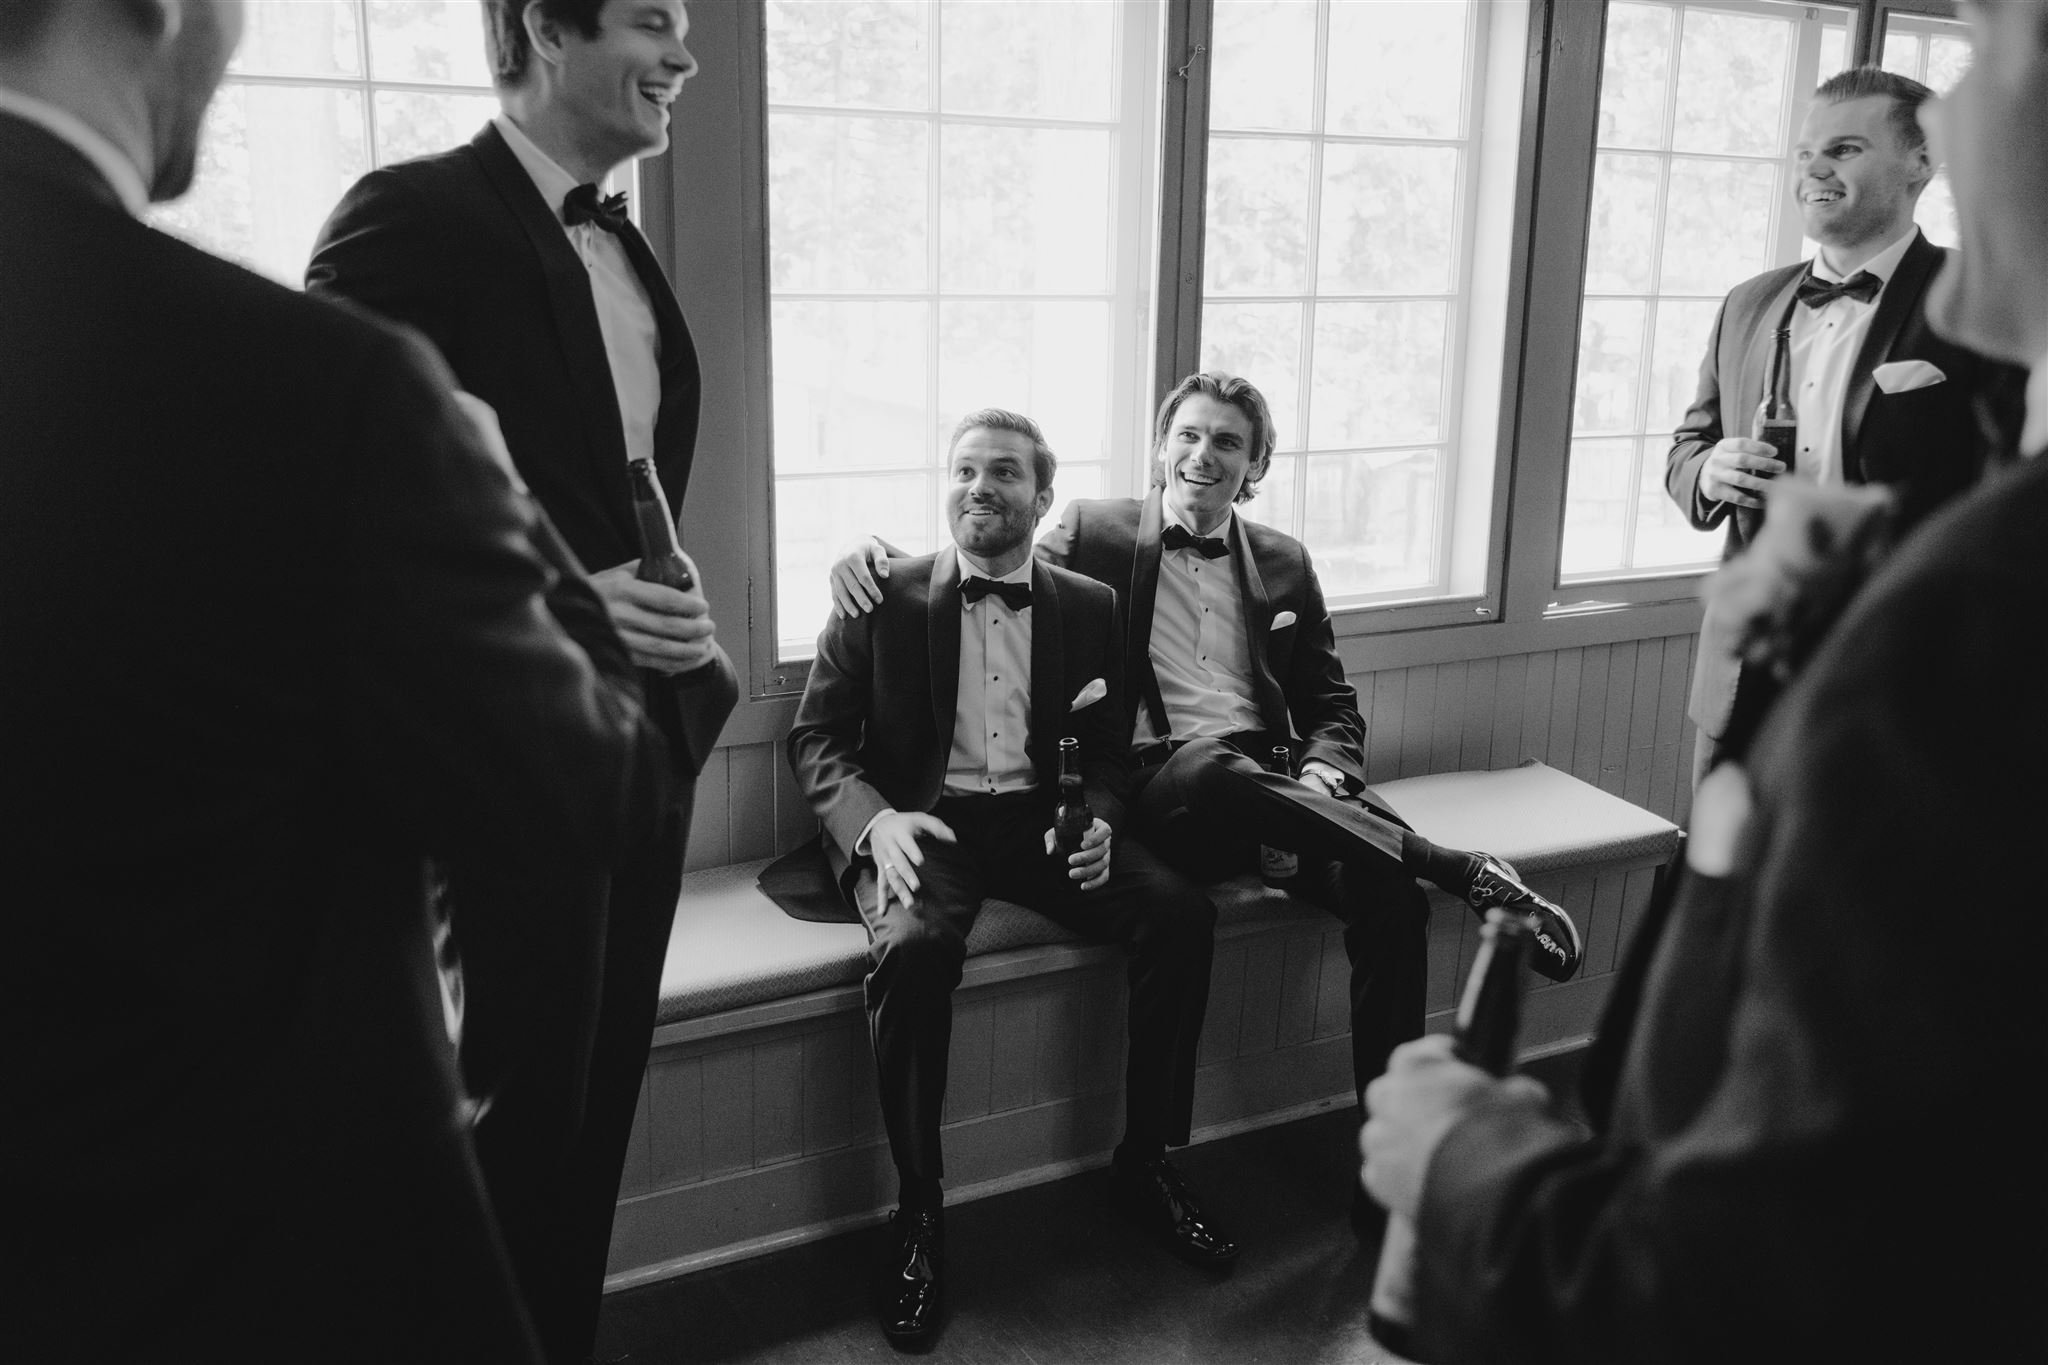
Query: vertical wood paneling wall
column 1612, row 715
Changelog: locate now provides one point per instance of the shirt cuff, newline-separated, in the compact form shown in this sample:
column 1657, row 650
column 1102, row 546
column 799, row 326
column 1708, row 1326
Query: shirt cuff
column 1315, row 767
column 860, row 845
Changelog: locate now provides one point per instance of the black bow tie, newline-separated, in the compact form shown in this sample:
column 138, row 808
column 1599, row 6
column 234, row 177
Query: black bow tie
column 1017, row 595
column 1181, row 538
column 1818, row 293
column 581, row 205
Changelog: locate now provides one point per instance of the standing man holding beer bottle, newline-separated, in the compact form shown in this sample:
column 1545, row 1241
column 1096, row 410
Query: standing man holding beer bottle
column 1874, row 396
column 550, row 307
column 1019, row 664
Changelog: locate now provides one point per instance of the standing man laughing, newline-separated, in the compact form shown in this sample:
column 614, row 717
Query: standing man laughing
column 551, row 307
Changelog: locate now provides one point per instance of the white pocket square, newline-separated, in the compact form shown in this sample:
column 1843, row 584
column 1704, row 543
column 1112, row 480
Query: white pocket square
column 1094, row 692
column 1283, row 620
column 1904, row 376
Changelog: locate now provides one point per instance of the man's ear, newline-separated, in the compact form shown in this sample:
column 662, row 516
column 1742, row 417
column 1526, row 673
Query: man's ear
column 543, row 33
column 1041, row 504
column 159, row 20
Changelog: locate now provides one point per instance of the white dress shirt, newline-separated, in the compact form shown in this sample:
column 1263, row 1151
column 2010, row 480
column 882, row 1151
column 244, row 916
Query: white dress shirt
column 632, row 336
column 119, row 172
column 2034, row 435
column 1825, row 343
column 1200, row 651
column 992, row 710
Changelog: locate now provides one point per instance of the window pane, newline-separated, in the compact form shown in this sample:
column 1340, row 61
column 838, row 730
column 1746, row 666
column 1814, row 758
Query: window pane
column 1047, row 360
column 1273, row 503
column 1711, row 252
column 302, row 146
column 1936, row 211
column 1619, row 250
column 1379, row 374
column 1610, row 366
column 305, row 38
column 1371, row 520
column 850, row 386
column 1035, row 58
column 1683, row 330
column 846, row 202
column 1902, row 54
column 1733, row 70
column 1073, row 482
column 1024, row 210
column 1397, row 69
column 1389, row 221
column 1637, row 64
column 428, row 40
column 411, row 123
column 1257, row 240
column 1262, row 340
column 1947, row 60
column 1597, row 507
column 1265, row 64
column 1664, row 538
column 871, row 53
column 815, row 519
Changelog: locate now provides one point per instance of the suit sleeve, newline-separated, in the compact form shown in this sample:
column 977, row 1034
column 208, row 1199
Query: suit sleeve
column 386, row 250
column 1056, row 547
column 1872, row 1114
column 1104, row 728
column 474, row 715
column 831, row 720
column 1695, row 439
column 1320, row 699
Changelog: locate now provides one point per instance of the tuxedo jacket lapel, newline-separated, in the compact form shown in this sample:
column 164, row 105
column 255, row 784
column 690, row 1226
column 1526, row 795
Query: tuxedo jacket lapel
column 1048, row 674
column 1144, row 593
column 1899, row 302
column 942, row 639
column 680, row 381
column 575, row 315
column 1258, row 621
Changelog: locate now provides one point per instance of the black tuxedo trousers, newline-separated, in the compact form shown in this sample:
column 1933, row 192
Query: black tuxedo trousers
column 1165, row 923
column 1206, row 810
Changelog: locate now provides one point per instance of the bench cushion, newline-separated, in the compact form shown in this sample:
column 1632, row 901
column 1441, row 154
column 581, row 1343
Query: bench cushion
column 731, row 947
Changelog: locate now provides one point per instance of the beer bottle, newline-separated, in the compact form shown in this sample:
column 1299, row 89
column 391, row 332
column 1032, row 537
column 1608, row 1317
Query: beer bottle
column 1277, row 867
column 661, row 557
column 1072, row 820
column 1777, row 421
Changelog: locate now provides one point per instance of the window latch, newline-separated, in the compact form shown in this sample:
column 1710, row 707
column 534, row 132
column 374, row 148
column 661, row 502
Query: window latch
column 1182, row 70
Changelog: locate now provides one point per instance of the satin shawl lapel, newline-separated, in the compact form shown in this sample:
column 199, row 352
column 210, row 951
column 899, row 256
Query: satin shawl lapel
column 1900, row 300
column 679, row 374
column 575, row 315
column 943, row 641
column 1258, row 624
column 1048, row 674
column 1144, row 593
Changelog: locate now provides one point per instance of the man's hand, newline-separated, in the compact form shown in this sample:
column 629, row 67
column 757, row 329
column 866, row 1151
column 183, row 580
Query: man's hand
column 1090, row 866
column 664, row 629
column 856, row 578
column 892, row 841
column 1424, row 1093
column 1737, row 472
column 1322, row 777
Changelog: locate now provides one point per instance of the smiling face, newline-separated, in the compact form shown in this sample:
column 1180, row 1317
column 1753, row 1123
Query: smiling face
column 993, row 500
column 615, row 86
column 1857, row 181
column 1992, row 129
column 1205, row 458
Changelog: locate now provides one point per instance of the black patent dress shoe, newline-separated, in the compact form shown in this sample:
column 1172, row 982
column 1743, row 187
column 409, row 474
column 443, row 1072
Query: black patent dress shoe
column 1556, row 947
column 1160, row 1200
column 907, row 1289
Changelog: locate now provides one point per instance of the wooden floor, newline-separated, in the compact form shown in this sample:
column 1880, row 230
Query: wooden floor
column 1051, row 1275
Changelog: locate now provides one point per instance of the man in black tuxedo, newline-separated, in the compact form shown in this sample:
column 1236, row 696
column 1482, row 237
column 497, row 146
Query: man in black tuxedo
column 550, row 307
column 927, row 741
column 1814, row 1132
column 1230, row 652
column 277, row 626
column 1881, row 398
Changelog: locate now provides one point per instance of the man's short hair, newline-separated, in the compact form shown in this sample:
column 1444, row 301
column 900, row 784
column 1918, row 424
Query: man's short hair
column 1905, row 93
column 1044, row 464
column 1241, row 394
column 505, row 40
column 22, row 22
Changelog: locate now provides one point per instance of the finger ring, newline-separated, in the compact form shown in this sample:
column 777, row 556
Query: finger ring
column 888, row 867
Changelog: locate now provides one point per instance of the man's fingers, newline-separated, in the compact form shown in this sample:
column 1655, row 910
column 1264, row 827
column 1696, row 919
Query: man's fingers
column 932, row 825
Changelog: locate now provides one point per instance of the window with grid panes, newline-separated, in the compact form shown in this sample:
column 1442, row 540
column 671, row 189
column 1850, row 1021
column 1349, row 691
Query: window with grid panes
column 1935, row 52
column 1360, row 181
column 1692, row 194
column 959, row 216
column 320, row 92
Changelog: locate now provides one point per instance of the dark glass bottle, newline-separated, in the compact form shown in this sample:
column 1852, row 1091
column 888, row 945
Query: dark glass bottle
column 1072, row 820
column 1278, row 867
column 661, row 556
column 1777, row 421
